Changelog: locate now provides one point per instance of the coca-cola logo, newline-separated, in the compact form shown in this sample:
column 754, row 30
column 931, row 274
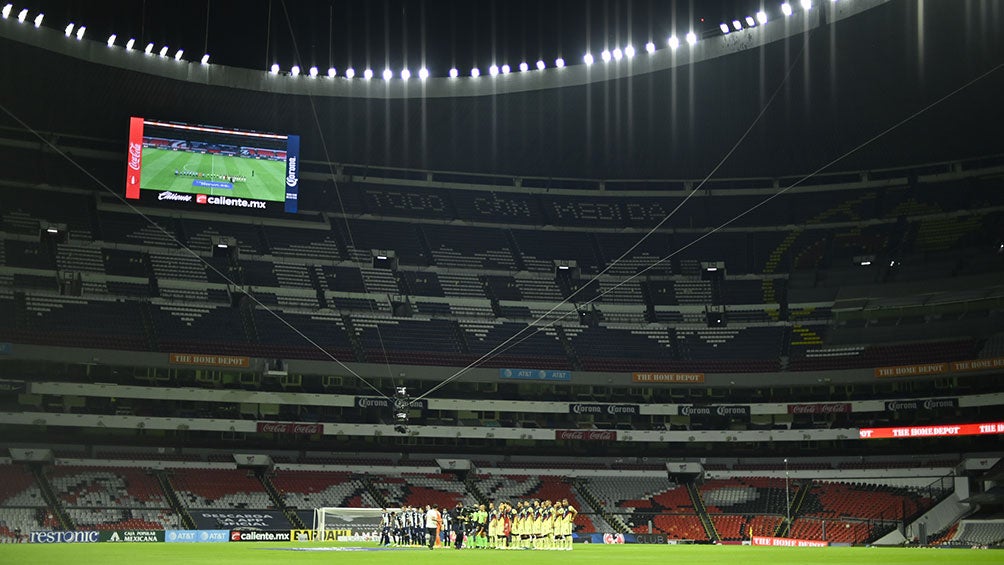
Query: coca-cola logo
column 174, row 196
column 585, row 435
column 135, row 155
column 289, row 428
column 828, row 408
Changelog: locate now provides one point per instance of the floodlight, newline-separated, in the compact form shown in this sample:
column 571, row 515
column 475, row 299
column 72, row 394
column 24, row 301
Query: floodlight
column 405, row 74
column 22, row 15
column 475, row 72
column 559, row 62
column 350, row 72
column 163, row 51
column 673, row 42
column 617, row 53
column 388, row 74
column 786, row 9
column 806, row 4
column 312, row 72
column 80, row 32
column 52, row 230
column 130, row 44
column 540, row 64
column 523, row 67
column 295, row 70
column 5, row 12
column 691, row 38
column 68, row 31
column 761, row 17
column 205, row 59
column 178, row 54
column 368, row 74
column 275, row 68
column 493, row 70
column 750, row 22
column 738, row 25
column 724, row 27
column 454, row 73
column 650, row 47
column 505, row 69
column 605, row 55
column 332, row 72
column 866, row 263
column 423, row 73
column 588, row 58
column 38, row 20
column 149, row 50
column 111, row 40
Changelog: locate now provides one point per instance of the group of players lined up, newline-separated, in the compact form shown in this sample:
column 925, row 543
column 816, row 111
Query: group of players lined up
column 211, row 176
column 529, row 524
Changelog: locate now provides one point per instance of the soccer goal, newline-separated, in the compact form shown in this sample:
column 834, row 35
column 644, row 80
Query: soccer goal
column 356, row 520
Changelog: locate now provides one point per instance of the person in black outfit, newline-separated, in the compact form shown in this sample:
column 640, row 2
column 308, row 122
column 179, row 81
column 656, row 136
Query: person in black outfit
column 458, row 519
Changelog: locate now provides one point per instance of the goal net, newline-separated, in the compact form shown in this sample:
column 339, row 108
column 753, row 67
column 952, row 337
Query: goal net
column 354, row 521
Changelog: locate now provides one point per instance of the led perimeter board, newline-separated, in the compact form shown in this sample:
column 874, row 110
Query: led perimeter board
column 193, row 165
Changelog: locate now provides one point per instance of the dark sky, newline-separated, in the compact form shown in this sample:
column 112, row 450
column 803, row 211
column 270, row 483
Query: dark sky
column 394, row 33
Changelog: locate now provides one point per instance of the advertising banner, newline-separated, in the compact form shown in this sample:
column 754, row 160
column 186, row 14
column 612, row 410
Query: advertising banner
column 289, row 428
column 668, row 378
column 197, row 536
column 911, row 370
column 13, row 386
column 978, row 364
column 535, row 375
column 586, row 435
column 600, row 409
column 64, row 537
column 925, row 404
column 292, row 173
column 709, row 411
column 261, row 535
column 379, row 402
column 988, row 428
column 209, row 360
column 134, row 162
column 132, row 536
column 233, row 519
column 788, row 542
column 312, row 535
column 822, row 408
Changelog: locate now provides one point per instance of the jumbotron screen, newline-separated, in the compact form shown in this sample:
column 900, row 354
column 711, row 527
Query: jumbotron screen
column 196, row 165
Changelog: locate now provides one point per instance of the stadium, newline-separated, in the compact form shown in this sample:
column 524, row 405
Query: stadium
column 726, row 287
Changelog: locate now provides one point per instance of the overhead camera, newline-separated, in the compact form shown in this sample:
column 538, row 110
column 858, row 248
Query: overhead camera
column 401, row 403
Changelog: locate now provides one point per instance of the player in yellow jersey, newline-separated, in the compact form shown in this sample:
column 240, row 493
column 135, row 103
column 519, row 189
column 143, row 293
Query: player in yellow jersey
column 569, row 524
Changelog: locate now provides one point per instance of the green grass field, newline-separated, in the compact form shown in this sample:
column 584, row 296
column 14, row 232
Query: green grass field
column 261, row 553
column 267, row 183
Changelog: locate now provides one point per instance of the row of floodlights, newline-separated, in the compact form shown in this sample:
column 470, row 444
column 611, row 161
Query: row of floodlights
column 761, row 17
column 71, row 30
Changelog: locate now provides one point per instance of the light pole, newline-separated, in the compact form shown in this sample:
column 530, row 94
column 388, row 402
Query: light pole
column 787, row 498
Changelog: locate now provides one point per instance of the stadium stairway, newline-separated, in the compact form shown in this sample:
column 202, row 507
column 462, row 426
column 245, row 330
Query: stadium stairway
column 470, row 483
column 277, row 499
column 573, row 357
column 801, row 492
column 374, row 492
column 172, row 499
column 595, row 505
column 357, row 347
column 51, row 499
column 702, row 512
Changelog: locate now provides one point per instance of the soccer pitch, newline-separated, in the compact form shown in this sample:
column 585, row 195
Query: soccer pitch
column 270, row 553
column 265, row 180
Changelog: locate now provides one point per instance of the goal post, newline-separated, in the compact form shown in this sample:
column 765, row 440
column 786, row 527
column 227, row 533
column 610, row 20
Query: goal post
column 357, row 520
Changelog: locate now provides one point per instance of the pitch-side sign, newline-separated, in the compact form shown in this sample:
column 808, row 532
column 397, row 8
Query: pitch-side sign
column 788, row 542
column 989, row 428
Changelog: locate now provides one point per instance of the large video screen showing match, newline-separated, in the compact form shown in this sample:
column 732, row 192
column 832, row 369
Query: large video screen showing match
column 197, row 165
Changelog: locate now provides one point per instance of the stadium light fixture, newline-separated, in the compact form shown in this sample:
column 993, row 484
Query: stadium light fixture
column 673, row 42
column 423, row 73
column 617, row 53
column 312, row 72
column 493, row 70
column 178, row 54
column 405, row 74
column 454, row 73
column 130, row 44
column 68, row 31
column 163, row 51
column 475, row 72
column 5, row 12
column 350, row 73
column 38, row 20
column 523, row 67
column 295, row 70
column 540, row 64
column 506, row 69
column 52, row 230
column 605, row 55
column 738, row 25
column 222, row 245
column 691, row 38
column 388, row 74
column 866, row 263
column 559, row 63
column 588, row 58
column 629, row 51
column 724, row 27
column 332, row 72
column 111, row 40
column 761, row 17
column 806, row 4
column 149, row 49
column 205, row 59
column 368, row 74
column 274, row 69
column 650, row 47
column 750, row 22
column 22, row 15
column 80, row 32
column 786, row 9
